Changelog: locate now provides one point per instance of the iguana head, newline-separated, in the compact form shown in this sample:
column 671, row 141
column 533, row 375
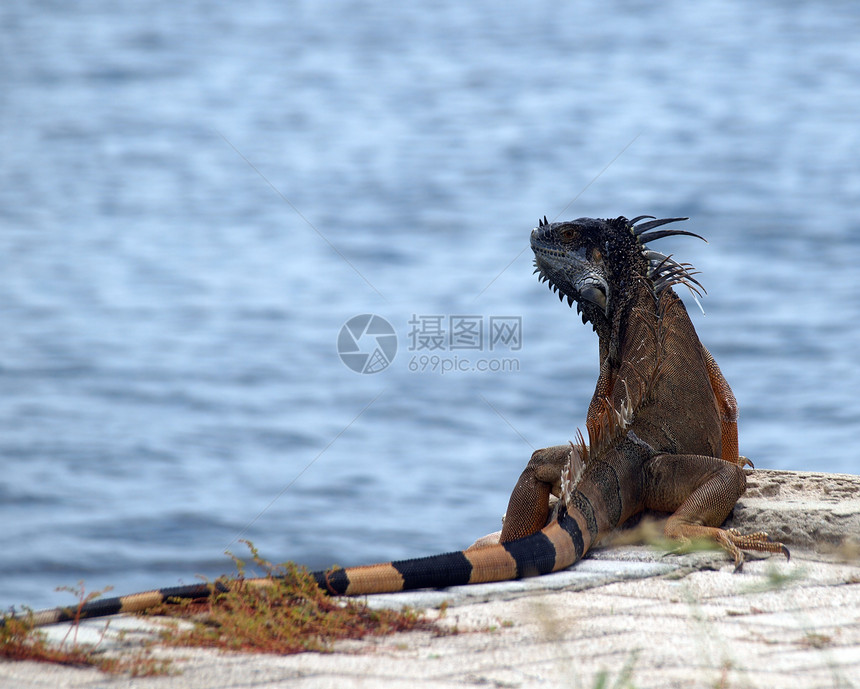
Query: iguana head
column 590, row 261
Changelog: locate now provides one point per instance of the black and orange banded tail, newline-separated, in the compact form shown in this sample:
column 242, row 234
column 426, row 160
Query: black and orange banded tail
column 557, row 546
column 134, row 602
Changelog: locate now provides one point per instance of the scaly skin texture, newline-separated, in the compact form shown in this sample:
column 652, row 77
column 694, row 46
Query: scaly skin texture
column 662, row 429
column 657, row 384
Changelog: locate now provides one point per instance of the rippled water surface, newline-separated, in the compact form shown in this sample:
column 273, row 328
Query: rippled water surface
column 195, row 198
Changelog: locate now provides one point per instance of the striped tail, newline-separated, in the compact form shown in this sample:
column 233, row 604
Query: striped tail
column 134, row 602
column 559, row 545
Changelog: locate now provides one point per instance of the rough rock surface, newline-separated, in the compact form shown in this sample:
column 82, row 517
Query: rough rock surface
column 799, row 508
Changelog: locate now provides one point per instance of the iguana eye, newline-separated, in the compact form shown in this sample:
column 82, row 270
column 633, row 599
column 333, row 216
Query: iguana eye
column 568, row 234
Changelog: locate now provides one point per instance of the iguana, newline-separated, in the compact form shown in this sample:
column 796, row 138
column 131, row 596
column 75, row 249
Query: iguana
column 662, row 429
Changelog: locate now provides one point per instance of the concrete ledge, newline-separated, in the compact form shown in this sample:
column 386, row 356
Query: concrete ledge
column 668, row 621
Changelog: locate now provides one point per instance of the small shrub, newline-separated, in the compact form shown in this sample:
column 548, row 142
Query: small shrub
column 284, row 613
column 20, row 641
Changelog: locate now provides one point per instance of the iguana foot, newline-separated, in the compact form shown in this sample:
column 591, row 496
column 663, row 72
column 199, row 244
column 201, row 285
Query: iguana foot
column 758, row 541
column 711, row 486
column 731, row 540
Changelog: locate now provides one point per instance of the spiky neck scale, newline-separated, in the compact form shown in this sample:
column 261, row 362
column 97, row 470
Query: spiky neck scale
column 601, row 264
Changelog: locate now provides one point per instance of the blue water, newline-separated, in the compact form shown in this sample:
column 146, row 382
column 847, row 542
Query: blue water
column 195, row 197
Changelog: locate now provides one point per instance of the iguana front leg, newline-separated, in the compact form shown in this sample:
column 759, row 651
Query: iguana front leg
column 528, row 507
column 700, row 492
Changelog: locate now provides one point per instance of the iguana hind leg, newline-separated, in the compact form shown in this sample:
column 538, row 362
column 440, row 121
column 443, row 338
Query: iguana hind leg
column 700, row 492
column 528, row 507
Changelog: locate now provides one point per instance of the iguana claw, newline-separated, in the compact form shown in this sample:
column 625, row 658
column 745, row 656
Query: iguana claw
column 758, row 541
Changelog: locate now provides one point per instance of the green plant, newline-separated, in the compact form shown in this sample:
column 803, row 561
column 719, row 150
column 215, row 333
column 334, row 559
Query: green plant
column 624, row 680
